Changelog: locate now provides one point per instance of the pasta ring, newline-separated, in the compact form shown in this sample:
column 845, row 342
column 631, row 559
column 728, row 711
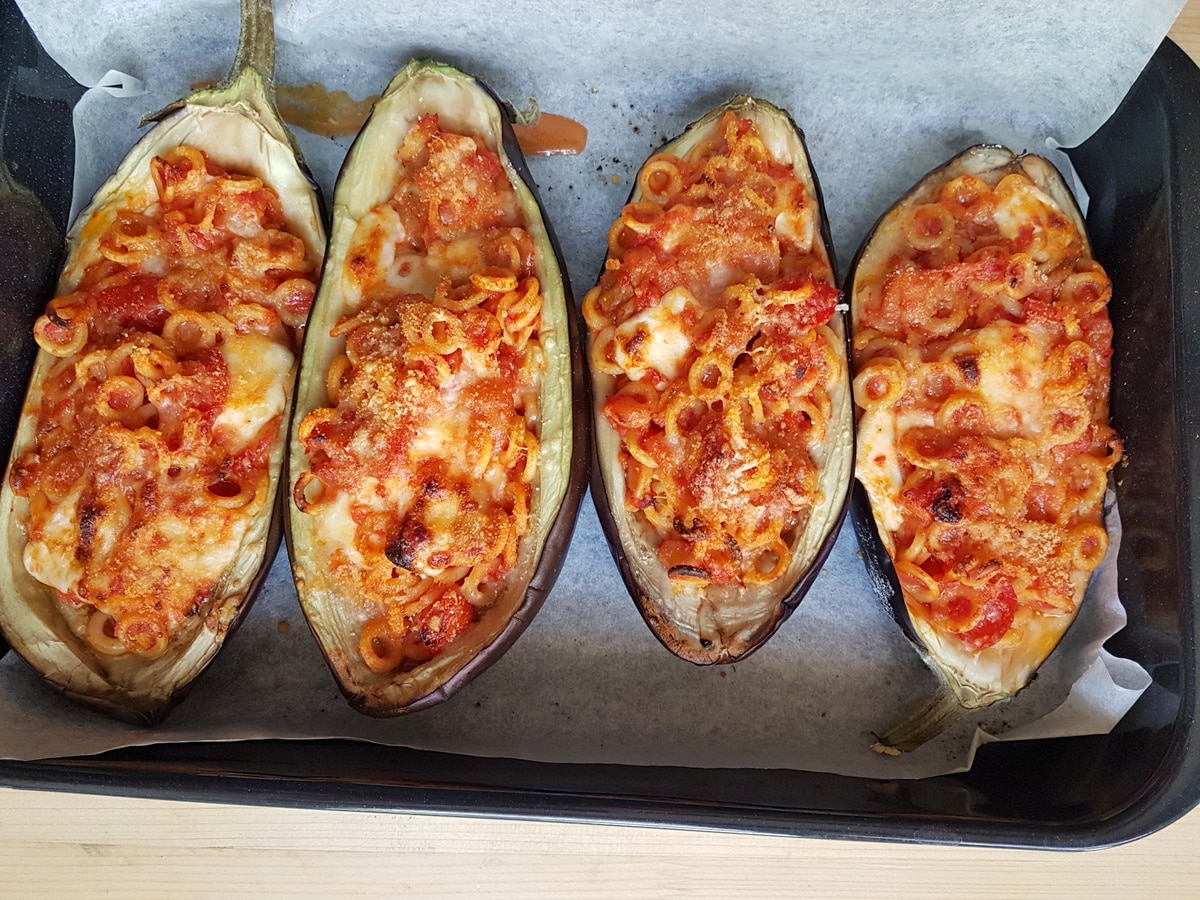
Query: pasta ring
column 381, row 649
column 101, row 637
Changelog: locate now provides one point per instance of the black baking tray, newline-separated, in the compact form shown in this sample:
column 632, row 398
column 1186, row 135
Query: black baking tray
column 1142, row 170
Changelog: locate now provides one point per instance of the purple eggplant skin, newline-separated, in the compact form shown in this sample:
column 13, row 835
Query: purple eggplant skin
column 30, row 247
column 978, row 159
column 609, row 502
column 376, row 695
column 879, row 564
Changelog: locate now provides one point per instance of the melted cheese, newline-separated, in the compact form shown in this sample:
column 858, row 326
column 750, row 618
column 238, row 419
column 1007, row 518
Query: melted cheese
column 796, row 226
column 338, row 527
column 656, row 338
column 259, row 372
column 51, row 558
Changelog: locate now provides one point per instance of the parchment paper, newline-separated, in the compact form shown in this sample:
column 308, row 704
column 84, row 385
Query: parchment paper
column 883, row 93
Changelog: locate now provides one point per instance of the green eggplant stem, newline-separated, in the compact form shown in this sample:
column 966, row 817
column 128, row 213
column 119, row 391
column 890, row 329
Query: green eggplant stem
column 256, row 44
column 926, row 722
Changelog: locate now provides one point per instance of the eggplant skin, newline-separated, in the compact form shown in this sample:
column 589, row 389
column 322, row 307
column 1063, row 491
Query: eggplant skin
column 460, row 101
column 237, row 126
column 30, row 246
column 721, row 625
column 998, row 679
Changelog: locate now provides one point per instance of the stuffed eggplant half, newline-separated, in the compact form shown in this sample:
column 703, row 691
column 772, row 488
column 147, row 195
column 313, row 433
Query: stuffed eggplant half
column 138, row 506
column 437, row 462
column 723, row 419
column 981, row 343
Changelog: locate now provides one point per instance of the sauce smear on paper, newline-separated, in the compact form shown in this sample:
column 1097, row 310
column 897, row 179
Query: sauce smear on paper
column 552, row 136
column 319, row 110
column 333, row 114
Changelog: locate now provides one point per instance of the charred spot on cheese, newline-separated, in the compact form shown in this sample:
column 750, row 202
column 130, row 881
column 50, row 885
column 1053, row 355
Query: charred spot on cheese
column 690, row 572
column 938, row 498
column 969, row 366
column 412, row 536
column 89, row 513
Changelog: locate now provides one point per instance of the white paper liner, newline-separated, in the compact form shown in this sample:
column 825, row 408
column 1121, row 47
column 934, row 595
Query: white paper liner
column 883, row 96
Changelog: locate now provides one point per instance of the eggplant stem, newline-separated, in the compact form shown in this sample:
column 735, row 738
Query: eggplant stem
column 527, row 117
column 924, row 723
column 256, row 44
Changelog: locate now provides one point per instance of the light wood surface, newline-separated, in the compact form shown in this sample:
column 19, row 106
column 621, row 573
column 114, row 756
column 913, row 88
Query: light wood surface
column 54, row 844
column 1186, row 31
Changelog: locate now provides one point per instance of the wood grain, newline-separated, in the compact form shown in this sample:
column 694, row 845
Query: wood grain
column 54, row 845
column 1186, row 31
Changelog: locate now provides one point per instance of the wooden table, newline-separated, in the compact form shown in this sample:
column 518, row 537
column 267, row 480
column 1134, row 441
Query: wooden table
column 54, row 844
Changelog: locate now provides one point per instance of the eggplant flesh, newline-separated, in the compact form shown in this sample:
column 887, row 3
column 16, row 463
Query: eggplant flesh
column 976, row 676
column 697, row 620
column 335, row 611
column 237, row 127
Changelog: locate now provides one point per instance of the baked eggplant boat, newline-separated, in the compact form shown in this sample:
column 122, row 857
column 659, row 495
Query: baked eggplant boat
column 982, row 345
column 723, row 418
column 437, row 460
column 138, row 506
